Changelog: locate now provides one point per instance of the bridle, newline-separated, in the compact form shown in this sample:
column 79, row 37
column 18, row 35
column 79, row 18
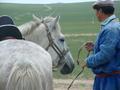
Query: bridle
column 55, row 47
column 52, row 44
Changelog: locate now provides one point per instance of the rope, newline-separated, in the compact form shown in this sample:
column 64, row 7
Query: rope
column 79, row 51
column 75, row 78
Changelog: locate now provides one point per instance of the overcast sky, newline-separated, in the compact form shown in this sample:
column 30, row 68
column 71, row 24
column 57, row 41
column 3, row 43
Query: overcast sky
column 44, row 1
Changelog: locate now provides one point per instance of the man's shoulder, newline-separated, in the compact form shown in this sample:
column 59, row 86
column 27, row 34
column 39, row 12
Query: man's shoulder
column 113, row 25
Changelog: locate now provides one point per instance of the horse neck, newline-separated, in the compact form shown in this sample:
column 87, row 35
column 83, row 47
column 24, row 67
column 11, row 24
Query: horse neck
column 27, row 28
column 35, row 32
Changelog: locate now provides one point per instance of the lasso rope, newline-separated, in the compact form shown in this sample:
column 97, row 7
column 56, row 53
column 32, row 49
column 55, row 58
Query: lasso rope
column 78, row 56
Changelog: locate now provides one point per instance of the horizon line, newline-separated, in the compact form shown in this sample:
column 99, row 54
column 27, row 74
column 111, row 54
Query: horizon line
column 46, row 3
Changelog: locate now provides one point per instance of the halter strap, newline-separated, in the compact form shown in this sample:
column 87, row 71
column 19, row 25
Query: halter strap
column 52, row 44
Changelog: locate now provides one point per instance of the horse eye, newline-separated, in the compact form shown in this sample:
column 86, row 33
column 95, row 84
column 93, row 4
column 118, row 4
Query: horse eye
column 62, row 39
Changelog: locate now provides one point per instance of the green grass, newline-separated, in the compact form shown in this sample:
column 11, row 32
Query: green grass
column 76, row 18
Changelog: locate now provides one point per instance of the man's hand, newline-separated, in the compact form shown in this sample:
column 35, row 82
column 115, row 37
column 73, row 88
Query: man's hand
column 89, row 46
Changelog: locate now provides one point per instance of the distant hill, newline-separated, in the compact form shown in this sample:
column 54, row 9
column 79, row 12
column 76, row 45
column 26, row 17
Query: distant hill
column 71, row 14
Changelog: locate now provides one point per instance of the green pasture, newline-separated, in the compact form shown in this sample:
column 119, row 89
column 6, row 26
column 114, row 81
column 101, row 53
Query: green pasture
column 75, row 18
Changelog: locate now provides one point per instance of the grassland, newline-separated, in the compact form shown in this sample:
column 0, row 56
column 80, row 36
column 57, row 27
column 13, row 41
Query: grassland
column 76, row 18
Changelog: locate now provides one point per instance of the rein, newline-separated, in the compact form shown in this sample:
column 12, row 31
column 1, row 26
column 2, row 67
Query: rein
column 78, row 63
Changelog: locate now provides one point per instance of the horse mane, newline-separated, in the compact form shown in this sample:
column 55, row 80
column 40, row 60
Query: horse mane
column 24, row 76
column 30, row 27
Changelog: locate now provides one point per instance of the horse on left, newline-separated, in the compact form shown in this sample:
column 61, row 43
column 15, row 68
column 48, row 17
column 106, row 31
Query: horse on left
column 24, row 65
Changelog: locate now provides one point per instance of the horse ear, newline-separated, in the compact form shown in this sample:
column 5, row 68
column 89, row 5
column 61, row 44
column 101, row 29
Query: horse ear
column 36, row 18
column 55, row 20
column 42, row 19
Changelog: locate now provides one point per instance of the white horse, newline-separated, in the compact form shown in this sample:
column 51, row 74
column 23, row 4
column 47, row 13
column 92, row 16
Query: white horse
column 24, row 65
column 47, row 33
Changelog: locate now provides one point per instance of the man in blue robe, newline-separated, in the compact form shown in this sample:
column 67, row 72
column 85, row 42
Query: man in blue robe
column 105, row 60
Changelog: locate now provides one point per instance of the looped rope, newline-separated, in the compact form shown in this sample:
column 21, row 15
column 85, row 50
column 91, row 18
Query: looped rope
column 78, row 63
column 79, row 51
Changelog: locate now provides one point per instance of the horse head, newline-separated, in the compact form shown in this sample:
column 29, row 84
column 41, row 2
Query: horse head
column 47, row 33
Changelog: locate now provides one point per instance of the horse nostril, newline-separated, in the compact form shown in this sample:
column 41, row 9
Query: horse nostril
column 66, row 69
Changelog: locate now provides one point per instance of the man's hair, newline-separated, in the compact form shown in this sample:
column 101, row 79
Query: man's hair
column 108, row 10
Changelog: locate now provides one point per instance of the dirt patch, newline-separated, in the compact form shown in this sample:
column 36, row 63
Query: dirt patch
column 61, row 84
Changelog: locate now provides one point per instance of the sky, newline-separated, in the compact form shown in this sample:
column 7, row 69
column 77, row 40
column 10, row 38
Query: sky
column 43, row 1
